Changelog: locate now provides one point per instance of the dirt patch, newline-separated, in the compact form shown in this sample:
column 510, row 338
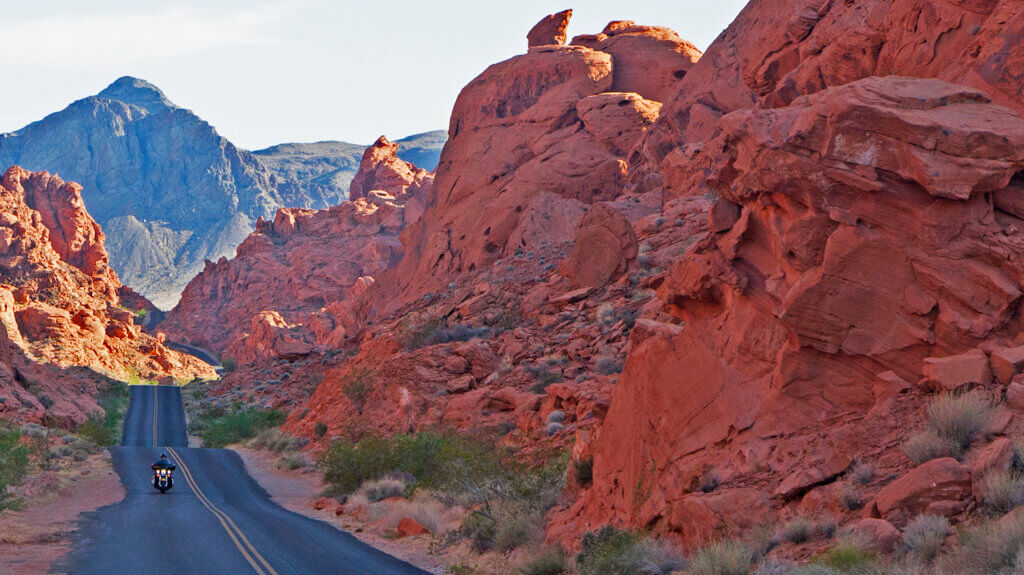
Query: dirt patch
column 298, row 490
column 31, row 540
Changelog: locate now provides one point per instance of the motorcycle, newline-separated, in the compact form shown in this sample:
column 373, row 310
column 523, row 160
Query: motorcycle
column 163, row 479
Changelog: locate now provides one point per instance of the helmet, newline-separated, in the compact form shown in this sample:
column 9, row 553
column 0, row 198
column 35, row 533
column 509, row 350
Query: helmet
column 163, row 456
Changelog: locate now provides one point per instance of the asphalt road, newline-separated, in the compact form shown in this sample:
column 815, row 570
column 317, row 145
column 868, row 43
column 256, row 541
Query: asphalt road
column 215, row 520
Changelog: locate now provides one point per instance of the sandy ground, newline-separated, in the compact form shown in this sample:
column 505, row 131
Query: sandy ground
column 31, row 540
column 298, row 490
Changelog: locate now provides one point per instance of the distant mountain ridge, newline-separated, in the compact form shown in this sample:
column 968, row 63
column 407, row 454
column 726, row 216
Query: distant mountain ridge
column 168, row 190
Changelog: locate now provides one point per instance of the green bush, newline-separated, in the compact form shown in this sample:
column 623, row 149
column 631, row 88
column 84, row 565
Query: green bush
column 222, row 430
column 13, row 465
column 320, row 429
column 357, row 385
column 847, row 557
column 433, row 331
column 229, row 364
column 798, row 530
column 607, row 551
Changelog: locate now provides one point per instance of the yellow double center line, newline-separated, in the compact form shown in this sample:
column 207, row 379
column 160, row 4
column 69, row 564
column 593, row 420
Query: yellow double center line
column 259, row 564
column 156, row 398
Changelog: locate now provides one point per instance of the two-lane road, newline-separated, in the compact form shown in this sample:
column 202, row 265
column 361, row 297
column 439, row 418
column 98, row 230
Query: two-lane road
column 215, row 520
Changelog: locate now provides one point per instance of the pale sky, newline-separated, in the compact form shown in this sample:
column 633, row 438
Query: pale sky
column 264, row 72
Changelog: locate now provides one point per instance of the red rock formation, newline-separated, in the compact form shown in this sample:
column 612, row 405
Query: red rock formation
column 302, row 262
column 858, row 250
column 550, row 31
column 60, row 305
column 648, row 60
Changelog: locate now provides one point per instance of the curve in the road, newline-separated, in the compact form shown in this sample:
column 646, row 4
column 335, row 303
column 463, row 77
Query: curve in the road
column 216, row 519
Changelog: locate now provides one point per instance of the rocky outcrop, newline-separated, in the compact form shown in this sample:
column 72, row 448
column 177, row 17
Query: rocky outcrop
column 533, row 141
column 60, row 304
column 648, row 60
column 550, row 31
column 604, row 248
column 865, row 241
column 304, row 261
column 168, row 190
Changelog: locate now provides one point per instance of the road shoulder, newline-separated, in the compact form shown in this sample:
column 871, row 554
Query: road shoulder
column 34, row 539
column 297, row 492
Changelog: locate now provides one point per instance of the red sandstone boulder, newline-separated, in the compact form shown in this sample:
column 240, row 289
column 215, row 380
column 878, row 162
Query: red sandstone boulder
column 410, row 527
column 879, row 534
column 649, row 60
column 952, row 372
column 550, row 30
column 605, row 247
column 996, row 456
column 940, row 486
column 1006, row 362
column 1015, row 395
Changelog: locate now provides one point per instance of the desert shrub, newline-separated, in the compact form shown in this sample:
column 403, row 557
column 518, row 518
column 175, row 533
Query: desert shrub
column 293, row 462
column 13, row 465
column 232, row 427
column 850, row 497
column 434, row 331
column 96, row 429
column 556, row 416
column 607, row 551
column 357, row 385
column 995, row 548
column 379, row 489
column 847, row 557
column 229, row 364
column 320, row 429
column 862, row 472
column 479, row 528
column 960, row 419
column 924, row 536
column 546, row 562
column 1002, row 491
column 610, row 551
column 584, row 471
column 927, row 445
column 544, row 375
column 608, row 365
column 606, row 314
column 275, row 440
column 515, row 528
column 728, row 557
column 798, row 530
column 427, row 512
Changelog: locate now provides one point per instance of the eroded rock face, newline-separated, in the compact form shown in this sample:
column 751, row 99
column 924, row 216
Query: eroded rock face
column 303, row 262
column 550, row 31
column 648, row 60
column 605, row 247
column 778, row 50
column 858, row 250
column 60, row 302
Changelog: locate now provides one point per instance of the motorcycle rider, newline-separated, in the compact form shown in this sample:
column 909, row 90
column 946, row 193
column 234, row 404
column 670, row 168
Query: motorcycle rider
column 162, row 463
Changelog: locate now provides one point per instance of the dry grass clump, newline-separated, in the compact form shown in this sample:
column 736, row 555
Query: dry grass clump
column 1002, row 491
column 376, row 490
column 729, row 557
column 954, row 421
column 924, row 536
column 995, row 548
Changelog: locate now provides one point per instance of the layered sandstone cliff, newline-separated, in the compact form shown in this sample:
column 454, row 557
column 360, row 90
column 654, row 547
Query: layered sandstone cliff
column 61, row 304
